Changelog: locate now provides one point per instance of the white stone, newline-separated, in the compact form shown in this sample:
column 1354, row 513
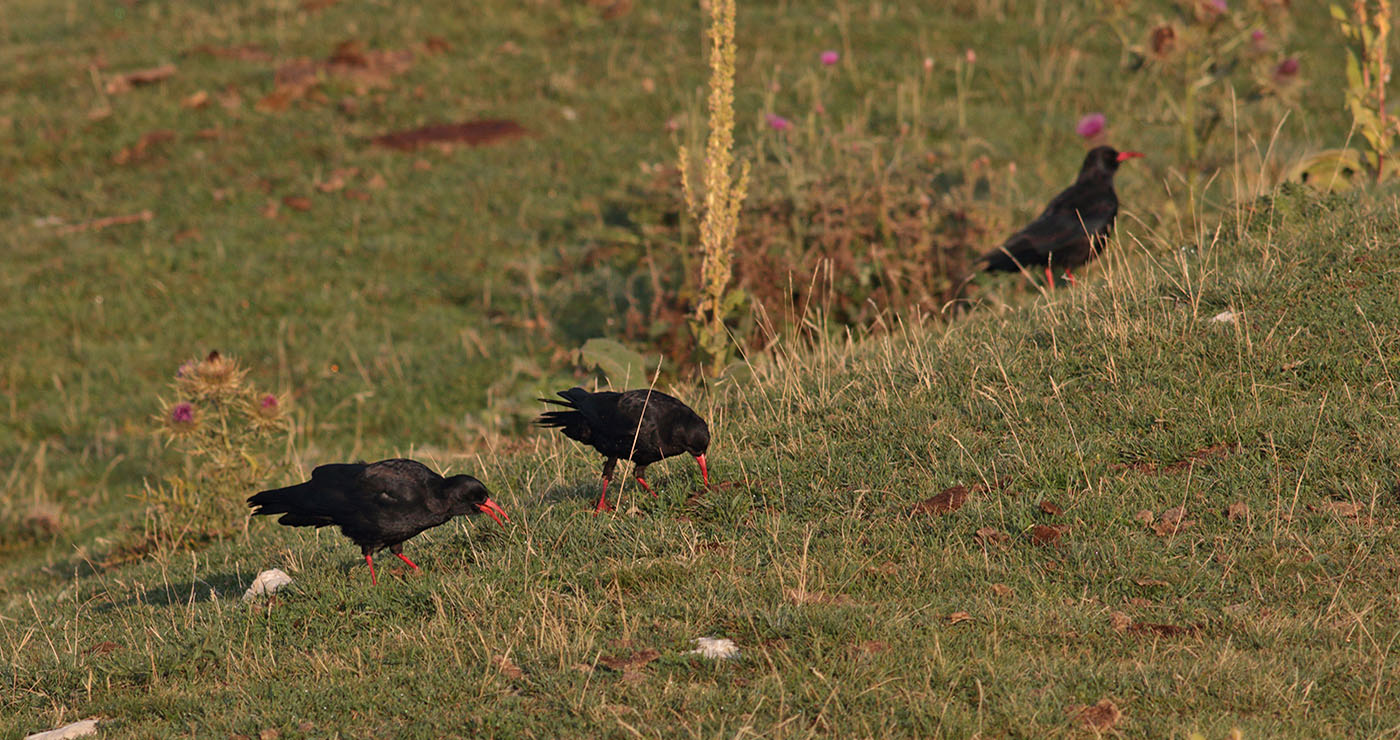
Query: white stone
column 716, row 648
column 77, row 729
column 1224, row 317
column 267, row 582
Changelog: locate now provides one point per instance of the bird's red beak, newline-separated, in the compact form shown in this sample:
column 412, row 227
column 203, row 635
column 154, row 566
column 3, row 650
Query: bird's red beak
column 1125, row 156
column 494, row 509
column 703, row 472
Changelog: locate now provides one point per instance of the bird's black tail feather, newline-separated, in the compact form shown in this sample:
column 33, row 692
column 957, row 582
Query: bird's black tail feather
column 574, row 424
column 287, row 501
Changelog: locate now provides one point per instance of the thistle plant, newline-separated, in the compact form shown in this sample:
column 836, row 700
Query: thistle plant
column 225, row 430
column 717, row 207
column 1209, row 61
column 1367, row 32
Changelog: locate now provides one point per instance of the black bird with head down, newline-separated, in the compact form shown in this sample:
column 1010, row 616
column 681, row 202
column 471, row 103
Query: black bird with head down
column 643, row 426
column 1073, row 228
column 377, row 505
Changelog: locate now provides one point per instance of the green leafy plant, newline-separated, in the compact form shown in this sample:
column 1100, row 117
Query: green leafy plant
column 225, row 431
column 1367, row 31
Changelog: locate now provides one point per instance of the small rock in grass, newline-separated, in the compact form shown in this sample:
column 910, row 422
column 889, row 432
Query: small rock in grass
column 267, row 582
column 716, row 648
column 1224, row 317
column 77, row 729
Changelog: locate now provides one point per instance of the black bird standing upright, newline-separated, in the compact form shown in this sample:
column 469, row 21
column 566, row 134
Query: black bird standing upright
column 377, row 505
column 1073, row 228
column 643, row 426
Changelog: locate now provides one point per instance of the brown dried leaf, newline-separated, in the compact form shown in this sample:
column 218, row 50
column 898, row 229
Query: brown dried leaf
column 1146, row 517
column 297, row 203
column 1150, row 582
column 1236, row 511
column 1100, row 717
column 950, row 500
column 436, row 45
column 123, row 83
column 337, row 179
column 959, row 617
column 137, row 151
column 229, row 99
column 472, row 133
column 1002, row 590
column 631, row 662
column 505, row 666
column 1161, row 630
column 871, row 647
column 102, row 223
column 102, row 648
column 271, row 209
column 1045, row 536
column 1173, row 520
column 803, row 596
column 1051, row 508
column 198, row 99
column 360, row 195
column 1120, row 621
column 1340, row 508
column 991, row 536
column 887, row 568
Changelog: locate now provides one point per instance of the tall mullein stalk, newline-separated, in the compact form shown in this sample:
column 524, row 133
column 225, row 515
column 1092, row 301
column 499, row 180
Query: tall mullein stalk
column 718, row 215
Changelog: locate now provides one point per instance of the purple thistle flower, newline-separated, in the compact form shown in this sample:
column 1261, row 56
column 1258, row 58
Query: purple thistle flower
column 1091, row 125
column 269, row 401
column 778, row 123
column 830, row 57
column 182, row 413
column 184, row 370
column 1287, row 70
column 1220, row 6
column 1257, row 36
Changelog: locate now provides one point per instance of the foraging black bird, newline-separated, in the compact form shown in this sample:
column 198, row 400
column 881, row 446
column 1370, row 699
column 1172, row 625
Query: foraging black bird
column 643, row 426
column 377, row 505
column 1073, row 228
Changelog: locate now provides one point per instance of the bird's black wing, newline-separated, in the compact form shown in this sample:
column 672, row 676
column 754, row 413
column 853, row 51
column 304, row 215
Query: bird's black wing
column 1074, row 216
column 647, row 412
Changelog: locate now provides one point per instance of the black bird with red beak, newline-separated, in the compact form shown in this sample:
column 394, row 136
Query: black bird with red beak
column 643, row 426
column 1073, row 228
column 378, row 505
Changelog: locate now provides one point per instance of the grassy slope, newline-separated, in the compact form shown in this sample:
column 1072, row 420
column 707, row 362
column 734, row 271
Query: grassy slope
column 806, row 557
column 1295, row 637
column 434, row 283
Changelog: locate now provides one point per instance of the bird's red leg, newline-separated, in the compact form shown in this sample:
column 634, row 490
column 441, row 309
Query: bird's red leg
column 404, row 558
column 1069, row 276
column 373, row 581
column 603, row 499
column 644, row 484
column 607, row 478
column 1049, row 276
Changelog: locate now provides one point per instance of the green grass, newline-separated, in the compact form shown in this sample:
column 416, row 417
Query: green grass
column 1086, row 399
column 391, row 322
